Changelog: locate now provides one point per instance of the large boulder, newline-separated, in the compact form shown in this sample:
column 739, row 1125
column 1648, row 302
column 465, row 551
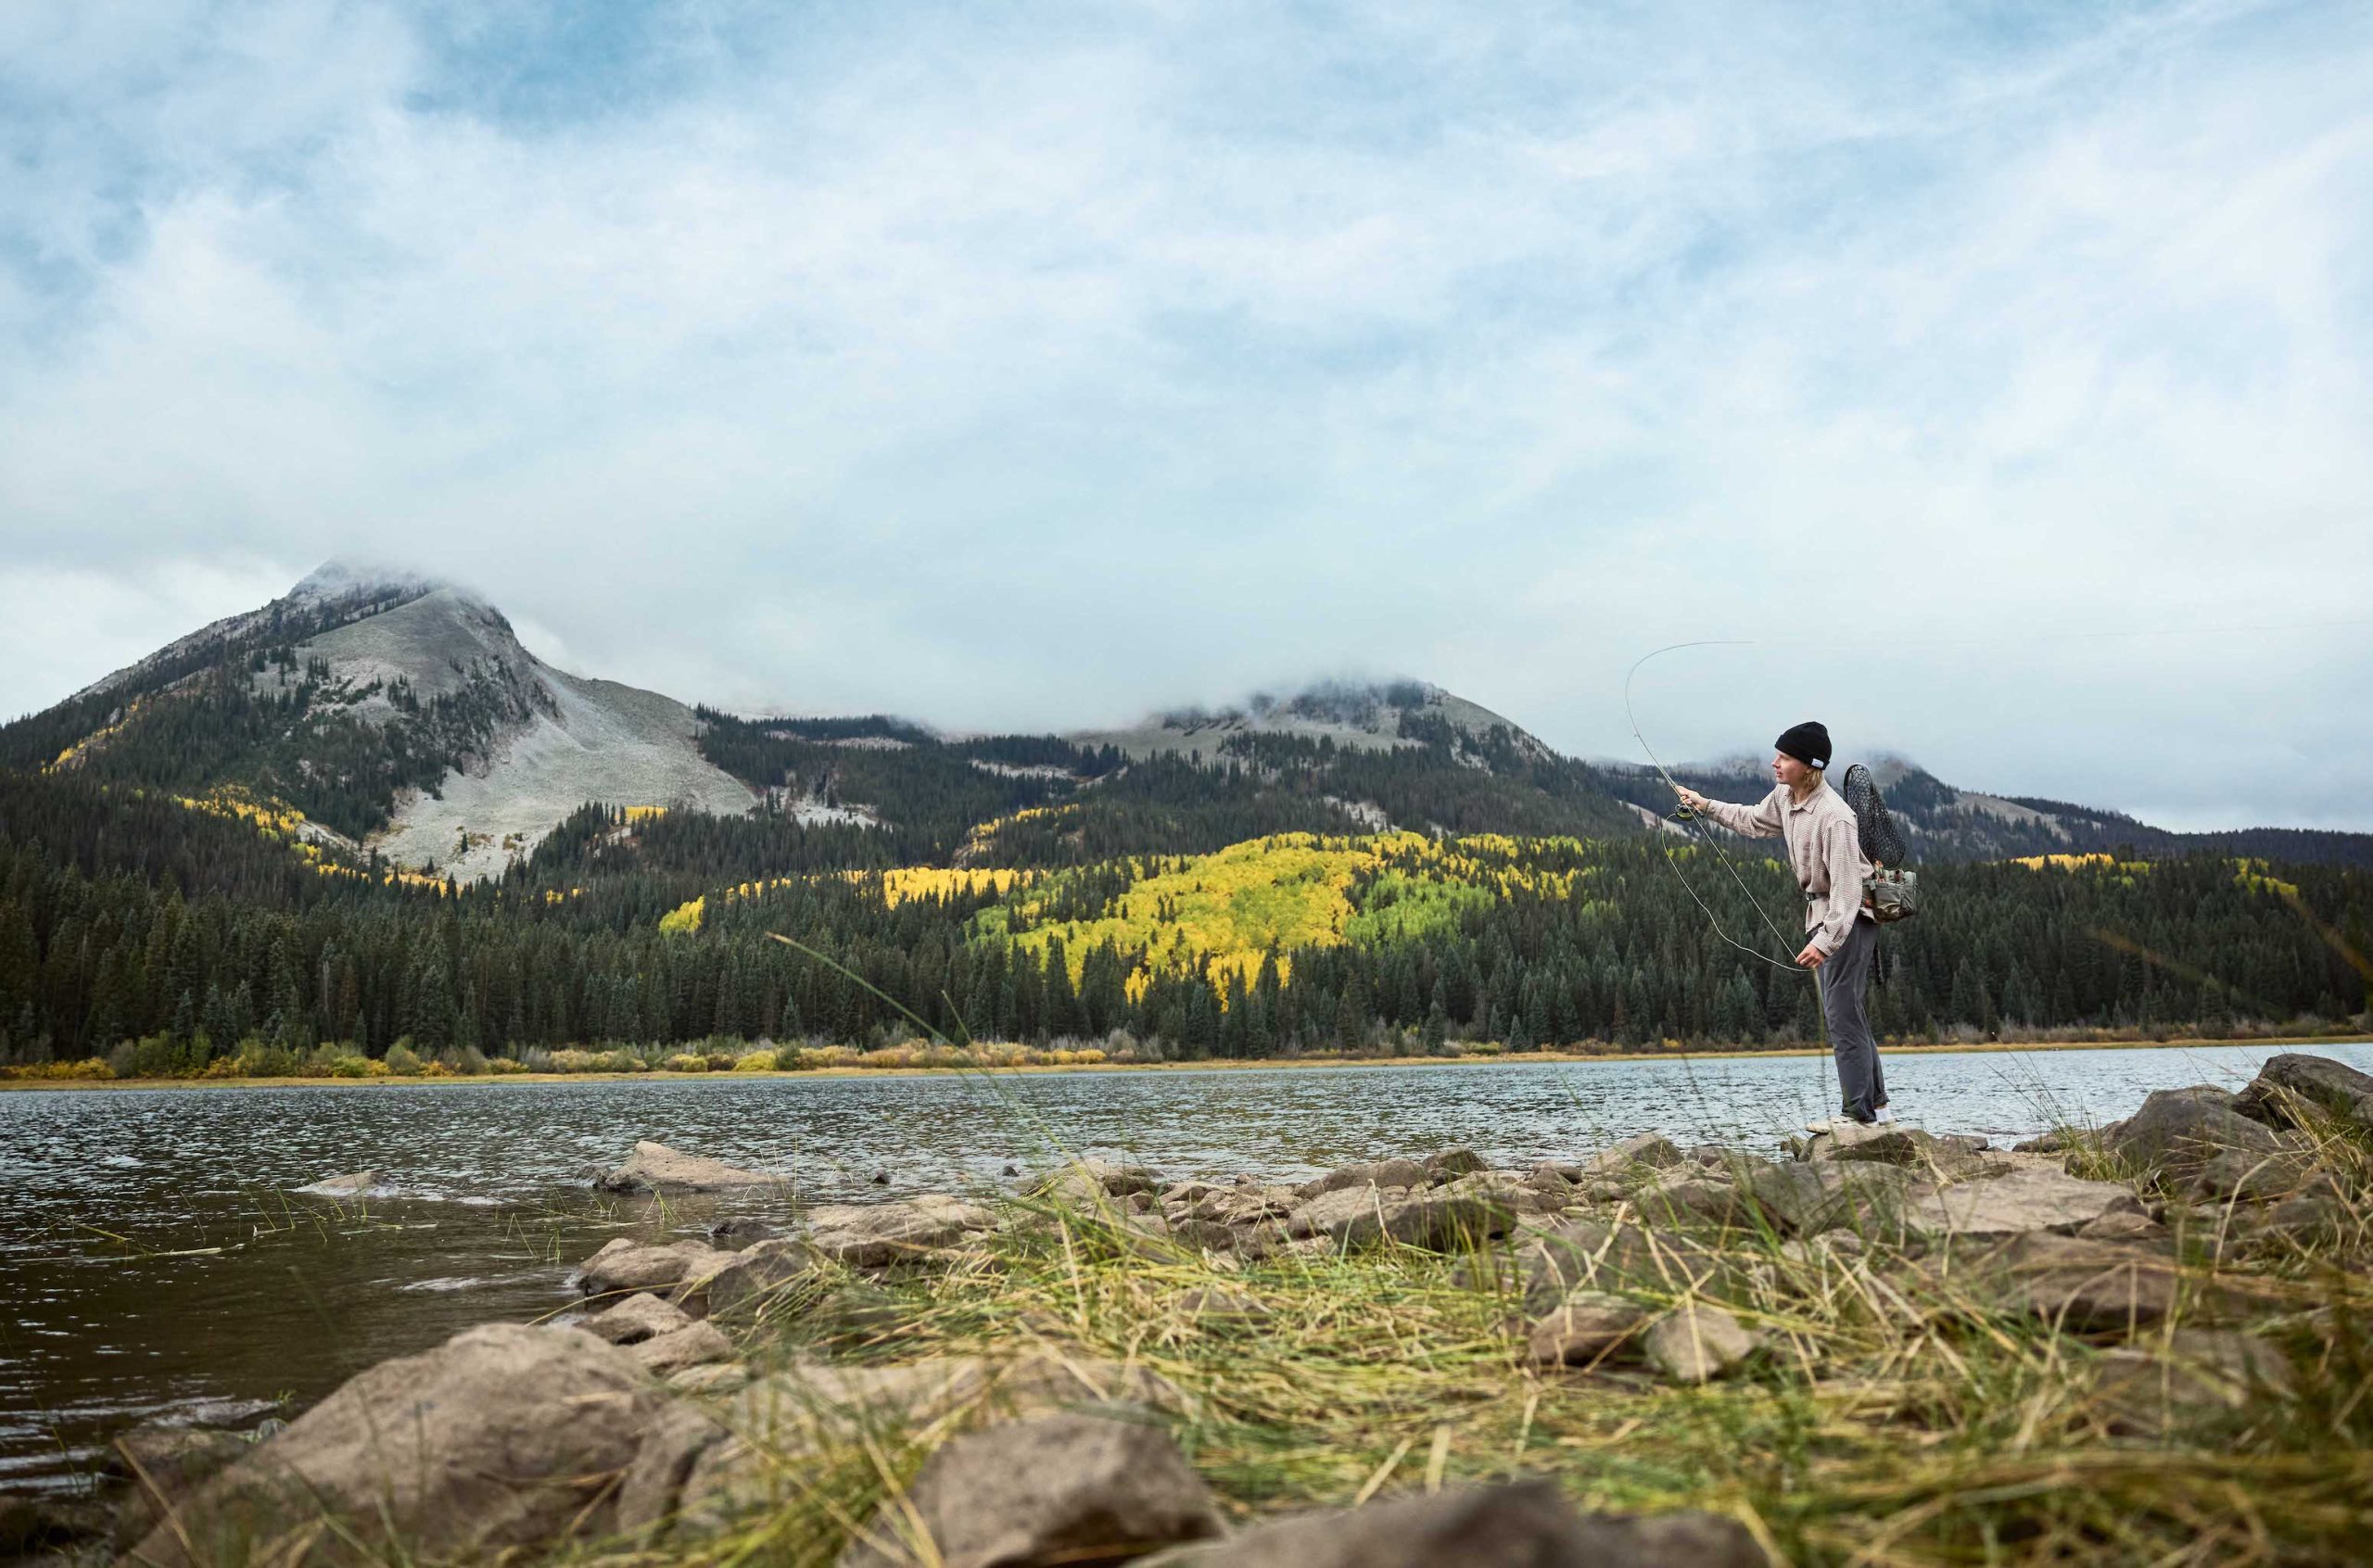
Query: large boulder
column 757, row 1275
column 2177, row 1131
column 504, row 1439
column 1058, row 1490
column 2038, row 1198
column 1088, row 1183
column 2081, row 1286
column 1653, row 1150
column 2194, row 1374
column 1523, row 1524
column 656, row 1167
column 2294, row 1082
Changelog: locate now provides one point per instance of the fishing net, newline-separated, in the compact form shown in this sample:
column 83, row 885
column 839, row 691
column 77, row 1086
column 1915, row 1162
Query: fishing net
column 1881, row 845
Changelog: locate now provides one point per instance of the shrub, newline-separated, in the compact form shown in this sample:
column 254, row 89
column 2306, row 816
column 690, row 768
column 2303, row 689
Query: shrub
column 354, row 1066
column 684, row 1061
column 403, row 1060
column 757, row 1061
column 500, row 1065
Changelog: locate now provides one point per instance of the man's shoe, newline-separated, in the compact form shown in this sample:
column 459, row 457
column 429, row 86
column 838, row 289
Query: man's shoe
column 1881, row 845
column 1884, row 1116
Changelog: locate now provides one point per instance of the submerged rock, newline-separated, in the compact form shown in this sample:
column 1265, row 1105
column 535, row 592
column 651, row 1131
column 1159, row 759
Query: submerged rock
column 656, row 1167
column 1058, row 1489
column 625, row 1266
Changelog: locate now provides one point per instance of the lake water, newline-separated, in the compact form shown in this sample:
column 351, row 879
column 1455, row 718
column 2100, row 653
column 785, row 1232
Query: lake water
column 157, row 1262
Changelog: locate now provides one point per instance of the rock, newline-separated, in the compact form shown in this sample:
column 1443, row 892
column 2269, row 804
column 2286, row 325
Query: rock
column 750, row 1280
column 2147, row 1392
column 2039, row 1198
column 353, row 1184
column 1086, row 1183
column 1807, row 1198
column 881, row 1178
column 1697, row 1343
column 2050, row 1143
column 654, row 1484
column 2085, row 1287
column 1058, row 1489
column 737, row 1230
column 2179, row 1132
column 1449, row 1163
column 1378, row 1173
column 882, row 1234
column 1588, row 1327
column 640, row 1317
column 691, row 1345
column 1696, row 1200
column 1524, row 1524
column 1887, row 1144
column 1217, row 1304
column 1442, row 1221
column 809, row 1404
column 1650, row 1149
column 710, row 1377
column 33, row 1525
column 2122, row 1226
column 502, row 1440
column 2254, row 1177
column 656, row 1167
column 623, row 1266
column 1623, row 1259
column 164, row 1465
column 2294, row 1081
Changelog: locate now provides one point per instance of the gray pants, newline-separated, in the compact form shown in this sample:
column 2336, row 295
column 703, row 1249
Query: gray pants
column 1844, row 978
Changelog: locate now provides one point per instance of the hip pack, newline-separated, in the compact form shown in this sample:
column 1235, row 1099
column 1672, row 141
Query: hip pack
column 1890, row 893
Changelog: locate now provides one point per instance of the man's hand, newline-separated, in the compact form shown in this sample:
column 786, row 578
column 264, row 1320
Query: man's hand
column 1690, row 798
column 1812, row 958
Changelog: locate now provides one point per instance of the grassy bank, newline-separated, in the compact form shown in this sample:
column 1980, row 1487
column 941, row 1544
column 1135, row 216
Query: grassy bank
column 1901, row 1410
column 91, row 1075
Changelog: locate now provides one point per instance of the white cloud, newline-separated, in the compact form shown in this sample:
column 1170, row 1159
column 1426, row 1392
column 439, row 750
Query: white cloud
column 1020, row 371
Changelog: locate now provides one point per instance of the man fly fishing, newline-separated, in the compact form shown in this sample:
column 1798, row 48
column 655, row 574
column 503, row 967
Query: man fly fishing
column 1826, row 836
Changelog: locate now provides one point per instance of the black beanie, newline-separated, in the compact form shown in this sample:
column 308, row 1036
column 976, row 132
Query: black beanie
column 1807, row 743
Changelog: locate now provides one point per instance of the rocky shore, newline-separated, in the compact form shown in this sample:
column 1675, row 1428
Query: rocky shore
column 1885, row 1342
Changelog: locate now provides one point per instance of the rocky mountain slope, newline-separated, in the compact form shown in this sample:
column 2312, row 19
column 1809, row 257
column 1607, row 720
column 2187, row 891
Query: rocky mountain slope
column 402, row 716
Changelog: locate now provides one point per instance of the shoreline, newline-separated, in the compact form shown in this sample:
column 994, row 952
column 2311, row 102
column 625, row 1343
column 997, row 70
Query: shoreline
column 1610, row 1058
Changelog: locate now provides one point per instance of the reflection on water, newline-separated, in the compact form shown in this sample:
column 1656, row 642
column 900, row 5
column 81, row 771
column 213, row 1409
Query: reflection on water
column 158, row 1262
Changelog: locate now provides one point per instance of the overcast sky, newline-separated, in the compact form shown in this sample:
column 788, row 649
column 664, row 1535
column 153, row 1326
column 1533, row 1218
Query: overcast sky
column 1018, row 367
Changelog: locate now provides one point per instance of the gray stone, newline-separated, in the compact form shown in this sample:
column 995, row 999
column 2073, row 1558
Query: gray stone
column 1523, row 1524
column 1444, row 1220
column 1448, row 1163
column 506, row 1438
column 656, row 1167
column 693, row 1344
column 1697, row 1342
column 353, row 1184
column 1807, row 1198
column 2253, row 1177
column 2081, row 1286
column 761, row 1273
column 1622, row 1258
column 2179, row 1132
column 2198, row 1374
column 1650, row 1149
column 1376, row 1173
column 2040, row 1199
column 1587, row 1328
column 2294, row 1081
column 623, row 1266
column 1058, row 1490
column 165, row 1465
column 1885, row 1144
column 1085, row 1183
column 880, row 1235
column 1696, row 1200
column 640, row 1317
